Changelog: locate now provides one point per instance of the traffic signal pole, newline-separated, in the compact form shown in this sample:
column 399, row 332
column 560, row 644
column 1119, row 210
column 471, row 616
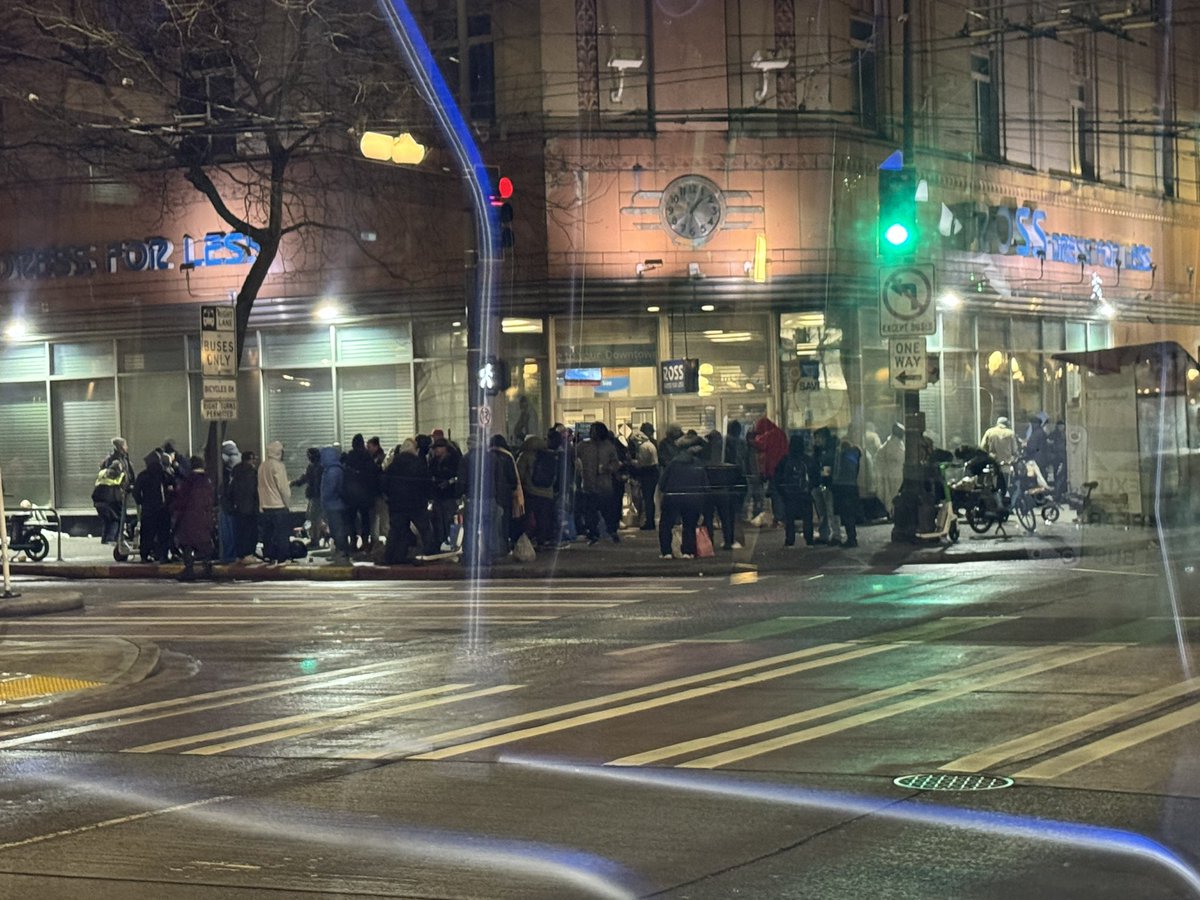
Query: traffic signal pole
column 907, row 505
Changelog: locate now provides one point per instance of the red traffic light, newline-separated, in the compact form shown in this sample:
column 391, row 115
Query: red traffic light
column 504, row 187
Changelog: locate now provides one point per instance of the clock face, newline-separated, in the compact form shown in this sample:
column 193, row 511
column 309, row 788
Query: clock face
column 692, row 208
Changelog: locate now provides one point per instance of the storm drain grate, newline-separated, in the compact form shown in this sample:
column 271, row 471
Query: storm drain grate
column 952, row 782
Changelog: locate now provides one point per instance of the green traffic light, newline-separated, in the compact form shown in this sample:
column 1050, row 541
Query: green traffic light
column 896, row 235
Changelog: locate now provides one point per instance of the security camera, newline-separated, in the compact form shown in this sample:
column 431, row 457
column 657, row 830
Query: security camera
column 767, row 61
column 623, row 64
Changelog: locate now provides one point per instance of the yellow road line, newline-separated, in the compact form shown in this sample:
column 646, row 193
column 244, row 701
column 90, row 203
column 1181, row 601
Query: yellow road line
column 1123, row 740
column 351, row 720
column 738, row 754
column 1045, row 738
column 652, row 703
column 178, row 706
column 684, row 748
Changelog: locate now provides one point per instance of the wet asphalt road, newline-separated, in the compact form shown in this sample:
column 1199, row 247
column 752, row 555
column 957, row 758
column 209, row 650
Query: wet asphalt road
column 686, row 738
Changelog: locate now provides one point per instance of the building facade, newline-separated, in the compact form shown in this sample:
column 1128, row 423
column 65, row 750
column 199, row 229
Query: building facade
column 694, row 180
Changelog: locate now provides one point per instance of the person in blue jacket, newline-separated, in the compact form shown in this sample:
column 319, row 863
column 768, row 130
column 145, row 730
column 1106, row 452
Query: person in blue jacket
column 333, row 504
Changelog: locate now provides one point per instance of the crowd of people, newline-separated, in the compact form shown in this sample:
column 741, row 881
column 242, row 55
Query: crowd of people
column 552, row 490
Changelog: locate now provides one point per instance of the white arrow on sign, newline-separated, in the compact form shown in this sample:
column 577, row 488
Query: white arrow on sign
column 906, row 363
column 906, row 306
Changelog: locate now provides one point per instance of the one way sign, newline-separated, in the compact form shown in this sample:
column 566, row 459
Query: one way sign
column 906, row 362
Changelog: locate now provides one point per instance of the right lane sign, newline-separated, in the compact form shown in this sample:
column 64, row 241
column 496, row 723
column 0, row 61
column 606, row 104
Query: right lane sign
column 906, row 307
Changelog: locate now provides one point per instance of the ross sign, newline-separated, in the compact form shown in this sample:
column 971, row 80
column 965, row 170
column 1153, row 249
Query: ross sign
column 906, row 307
column 1008, row 230
column 908, row 363
column 218, row 342
column 680, row 376
column 150, row 254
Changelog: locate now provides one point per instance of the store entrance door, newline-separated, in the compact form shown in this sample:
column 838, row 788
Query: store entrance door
column 708, row 414
column 620, row 416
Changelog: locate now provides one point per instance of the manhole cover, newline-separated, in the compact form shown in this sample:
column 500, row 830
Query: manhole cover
column 952, row 782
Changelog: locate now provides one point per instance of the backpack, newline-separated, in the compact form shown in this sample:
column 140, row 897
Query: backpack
column 545, row 469
column 792, row 479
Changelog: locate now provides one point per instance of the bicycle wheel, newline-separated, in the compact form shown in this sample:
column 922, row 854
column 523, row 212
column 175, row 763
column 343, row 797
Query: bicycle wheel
column 1050, row 513
column 38, row 547
column 953, row 533
column 977, row 519
column 1026, row 514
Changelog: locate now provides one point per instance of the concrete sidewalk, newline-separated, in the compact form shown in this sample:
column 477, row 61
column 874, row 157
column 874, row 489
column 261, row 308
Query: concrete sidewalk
column 637, row 556
column 35, row 672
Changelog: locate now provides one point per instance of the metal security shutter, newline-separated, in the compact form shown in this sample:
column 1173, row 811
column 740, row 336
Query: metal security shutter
column 378, row 401
column 374, row 345
column 23, row 362
column 23, row 455
column 84, row 427
column 300, row 415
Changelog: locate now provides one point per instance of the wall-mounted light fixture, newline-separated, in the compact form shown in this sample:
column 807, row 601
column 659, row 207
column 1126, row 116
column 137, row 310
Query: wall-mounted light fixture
column 694, row 270
column 16, row 330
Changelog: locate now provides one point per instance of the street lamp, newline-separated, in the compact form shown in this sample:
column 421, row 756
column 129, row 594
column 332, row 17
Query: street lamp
column 403, row 150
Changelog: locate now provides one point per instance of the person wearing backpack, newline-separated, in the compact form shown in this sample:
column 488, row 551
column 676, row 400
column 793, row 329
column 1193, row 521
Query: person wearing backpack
column 537, row 468
column 793, row 478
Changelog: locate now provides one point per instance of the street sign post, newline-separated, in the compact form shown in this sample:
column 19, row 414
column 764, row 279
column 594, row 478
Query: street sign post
column 908, row 363
column 906, row 307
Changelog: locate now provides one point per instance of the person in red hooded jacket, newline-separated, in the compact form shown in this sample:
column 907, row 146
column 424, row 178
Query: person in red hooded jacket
column 771, row 445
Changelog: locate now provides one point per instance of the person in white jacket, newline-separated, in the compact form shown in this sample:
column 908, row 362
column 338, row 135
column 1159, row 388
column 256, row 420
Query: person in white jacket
column 274, row 494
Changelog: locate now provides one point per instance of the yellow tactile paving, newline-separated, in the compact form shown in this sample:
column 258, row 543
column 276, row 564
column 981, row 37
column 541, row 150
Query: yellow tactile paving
column 25, row 687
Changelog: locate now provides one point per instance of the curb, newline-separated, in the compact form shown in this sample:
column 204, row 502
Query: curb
column 34, row 605
column 147, row 663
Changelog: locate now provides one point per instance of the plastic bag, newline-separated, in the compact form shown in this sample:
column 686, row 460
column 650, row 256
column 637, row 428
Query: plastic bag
column 704, row 547
column 524, row 551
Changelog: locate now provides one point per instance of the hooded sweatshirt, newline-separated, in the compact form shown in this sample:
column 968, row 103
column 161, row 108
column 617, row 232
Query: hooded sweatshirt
column 150, row 488
column 332, row 480
column 771, row 444
column 273, row 489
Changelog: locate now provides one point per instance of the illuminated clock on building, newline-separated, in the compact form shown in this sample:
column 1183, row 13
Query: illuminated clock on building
column 692, row 208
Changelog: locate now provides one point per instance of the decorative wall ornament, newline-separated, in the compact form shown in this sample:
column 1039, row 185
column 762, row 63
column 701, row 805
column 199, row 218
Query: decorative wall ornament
column 587, row 56
column 785, row 48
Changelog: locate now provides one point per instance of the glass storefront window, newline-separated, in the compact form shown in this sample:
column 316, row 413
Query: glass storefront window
column 84, row 421
column 733, row 351
column 373, row 345
column 23, row 452
column 82, row 360
column 299, row 413
column 146, row 355
column 23, row 362
column 440, row 372
column 815, row 390
column 282, row 349
column 601, row 357
column 377, row 402
column 154, row 407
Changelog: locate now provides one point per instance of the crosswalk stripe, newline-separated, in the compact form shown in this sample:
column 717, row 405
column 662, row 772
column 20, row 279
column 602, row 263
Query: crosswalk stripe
column 1060, row 656
column 653, row 703
column 1122, row 740
column 1045, row 738
column 768, row 628
column 337, row 715
column 935, row 628
column 178, row 706
column 684, row 748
